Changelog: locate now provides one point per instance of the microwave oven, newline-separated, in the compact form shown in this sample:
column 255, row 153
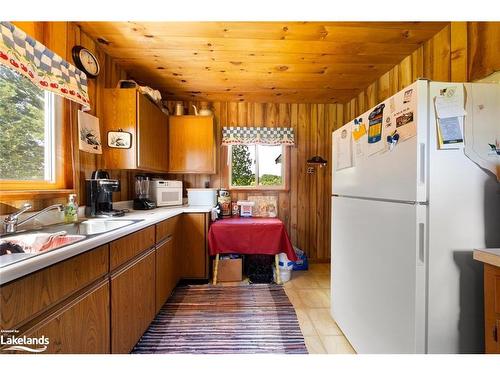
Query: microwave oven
column 166, row 193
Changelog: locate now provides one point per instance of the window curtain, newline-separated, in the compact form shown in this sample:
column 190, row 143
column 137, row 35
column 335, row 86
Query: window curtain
column 257, row 136
column 40, row 65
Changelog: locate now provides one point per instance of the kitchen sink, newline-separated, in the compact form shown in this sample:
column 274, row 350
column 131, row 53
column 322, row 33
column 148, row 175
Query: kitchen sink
column 91, row 227
column 18, row 247
column 97, row 226
column 22, row 245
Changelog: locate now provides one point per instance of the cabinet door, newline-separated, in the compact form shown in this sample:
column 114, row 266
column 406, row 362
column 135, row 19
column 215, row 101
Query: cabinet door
column 132, row 302
column 492, row 309
column 80, row 327
column 166, row 272
column 152, row 134
column 119, row 111
column 192, row 144
column 193, row 253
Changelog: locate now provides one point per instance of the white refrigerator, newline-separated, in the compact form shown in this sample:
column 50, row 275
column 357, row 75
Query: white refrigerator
column 406, row 218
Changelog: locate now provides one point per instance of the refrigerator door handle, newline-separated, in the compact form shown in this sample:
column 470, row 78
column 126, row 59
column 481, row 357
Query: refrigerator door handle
column 422, row 163
column 421, row 243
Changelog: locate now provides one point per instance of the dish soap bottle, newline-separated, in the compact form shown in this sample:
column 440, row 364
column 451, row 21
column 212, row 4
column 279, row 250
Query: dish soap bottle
column 71, row 210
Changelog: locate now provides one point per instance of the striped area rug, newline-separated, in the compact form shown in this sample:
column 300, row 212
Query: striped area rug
column 208, row 319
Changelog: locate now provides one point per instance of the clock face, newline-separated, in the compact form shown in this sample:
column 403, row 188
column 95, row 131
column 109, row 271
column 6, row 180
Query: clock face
column 89, row 62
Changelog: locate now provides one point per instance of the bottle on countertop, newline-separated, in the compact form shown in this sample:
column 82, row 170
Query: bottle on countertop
column 71, row 210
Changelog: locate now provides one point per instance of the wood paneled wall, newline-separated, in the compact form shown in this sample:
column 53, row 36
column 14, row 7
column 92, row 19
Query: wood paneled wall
column 305, row 206
column 460, row 52
column 61, row 37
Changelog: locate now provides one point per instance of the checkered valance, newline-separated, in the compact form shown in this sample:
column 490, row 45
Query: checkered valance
column 40, row 65
column 257, row 135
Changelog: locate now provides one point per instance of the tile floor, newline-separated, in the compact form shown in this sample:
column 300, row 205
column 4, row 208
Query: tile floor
column 309, row 292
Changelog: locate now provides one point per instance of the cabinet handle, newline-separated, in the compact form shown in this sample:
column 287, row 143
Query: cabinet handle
column 495, row 332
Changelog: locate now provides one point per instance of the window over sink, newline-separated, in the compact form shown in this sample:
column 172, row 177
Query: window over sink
column 31, row 137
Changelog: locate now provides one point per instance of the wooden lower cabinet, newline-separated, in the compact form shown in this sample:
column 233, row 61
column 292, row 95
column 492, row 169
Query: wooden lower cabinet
column 492, row 309
column 132, row 302
column 80, row 326
column 50, row 286
column 167, row 275
column 102, row 301
column 193, row 255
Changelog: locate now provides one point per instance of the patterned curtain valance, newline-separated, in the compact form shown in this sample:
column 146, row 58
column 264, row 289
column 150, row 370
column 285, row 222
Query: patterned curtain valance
column 40, row 65
column 257, row 136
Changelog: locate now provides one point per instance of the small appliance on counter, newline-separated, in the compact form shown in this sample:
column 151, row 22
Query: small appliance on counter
column 99, row 192
column 224, row 201
column 202, row 197
column 166, row 193
column 142, row 201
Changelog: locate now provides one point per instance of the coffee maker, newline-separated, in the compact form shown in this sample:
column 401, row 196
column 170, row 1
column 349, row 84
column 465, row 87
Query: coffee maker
column 142, row 201
column 100, row 190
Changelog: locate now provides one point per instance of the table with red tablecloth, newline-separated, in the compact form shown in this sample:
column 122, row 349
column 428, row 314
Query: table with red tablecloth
column 249, row 236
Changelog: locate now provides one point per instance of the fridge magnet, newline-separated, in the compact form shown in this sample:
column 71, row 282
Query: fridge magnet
column 375, row 124
column 407, row 96
column 359, row 129
column 119, row 139
column 404, row 119
column 392, row 139
column 495, row 148
column 89, row 134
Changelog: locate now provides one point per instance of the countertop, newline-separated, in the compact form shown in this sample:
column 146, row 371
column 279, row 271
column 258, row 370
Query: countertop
column 489, row 256
column 149, row 217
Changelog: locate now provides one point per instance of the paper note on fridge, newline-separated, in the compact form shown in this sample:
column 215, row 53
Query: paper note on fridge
column 450, row 132
column 343, row 144
column 450, row 106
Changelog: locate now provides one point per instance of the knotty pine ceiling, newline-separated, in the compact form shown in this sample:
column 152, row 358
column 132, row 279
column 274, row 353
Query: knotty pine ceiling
column 293, row 62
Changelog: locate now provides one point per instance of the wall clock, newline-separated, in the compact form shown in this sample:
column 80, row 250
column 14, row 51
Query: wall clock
column 86, row 61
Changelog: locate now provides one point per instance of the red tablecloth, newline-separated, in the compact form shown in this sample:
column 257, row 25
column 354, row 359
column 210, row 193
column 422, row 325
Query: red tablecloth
column 250, row 236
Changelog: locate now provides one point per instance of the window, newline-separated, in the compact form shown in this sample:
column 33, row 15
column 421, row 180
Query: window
column 257, row 166
column 28, row 135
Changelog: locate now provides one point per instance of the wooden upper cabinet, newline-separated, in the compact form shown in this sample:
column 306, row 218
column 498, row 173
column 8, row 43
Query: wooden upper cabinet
column 133, row 112
column 192, row 147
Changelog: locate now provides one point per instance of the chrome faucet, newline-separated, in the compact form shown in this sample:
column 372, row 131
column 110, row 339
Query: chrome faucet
column 11, row 222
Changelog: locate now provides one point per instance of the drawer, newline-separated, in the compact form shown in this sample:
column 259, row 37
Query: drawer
column 25, row 298
column 166, row 228
column 126, row 248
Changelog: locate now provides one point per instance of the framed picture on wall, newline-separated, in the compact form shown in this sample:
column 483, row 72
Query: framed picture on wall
column 89, row 133
column 119, row 139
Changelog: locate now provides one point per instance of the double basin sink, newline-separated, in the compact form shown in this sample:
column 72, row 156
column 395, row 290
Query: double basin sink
column 18, row 246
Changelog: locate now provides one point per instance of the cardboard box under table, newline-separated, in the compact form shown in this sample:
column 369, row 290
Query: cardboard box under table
column 267, row 236
column 230, row 269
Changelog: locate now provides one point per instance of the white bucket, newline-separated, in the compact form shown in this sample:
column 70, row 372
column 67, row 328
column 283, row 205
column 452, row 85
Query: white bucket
column 284, row 262
column 285, row 274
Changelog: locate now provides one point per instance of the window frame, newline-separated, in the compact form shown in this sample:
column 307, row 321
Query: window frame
column 60, row 141
column 284, row 172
